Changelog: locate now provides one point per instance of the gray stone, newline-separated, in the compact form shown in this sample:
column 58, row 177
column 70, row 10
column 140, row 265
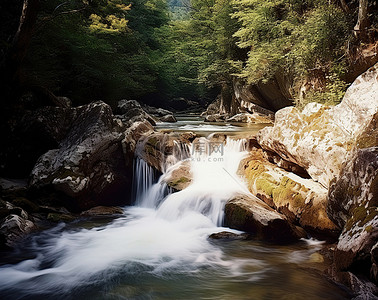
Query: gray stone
column 250, row 214
column 89, row 165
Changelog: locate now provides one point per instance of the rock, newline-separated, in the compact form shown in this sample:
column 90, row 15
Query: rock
column 216, row 118
column 157, row 112
column 301, row 200
column 14, row 224
column 25, row 204
column 89, row 166
column 356, row 187
column 161, row 150
column 187, row 137
column 30, row 134
column 374, row 263
column 361, row 288
column 57, row 218
column 13, row 188
column 250, row 214
column 213, row 108
column 320, row 137
column 13, row 185
column 130, row 111
column 181, row 177
column 132, row 136
column 99, row 211
column 273, row 94
column 168, row 118
column 226, row 235
column 250, row 118
column 353, row 205
column 181, row 104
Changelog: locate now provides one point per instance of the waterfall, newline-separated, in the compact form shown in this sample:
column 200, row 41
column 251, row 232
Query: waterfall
column 214, row 181
column 143, row 178
column 164, row 231
column 213, row 164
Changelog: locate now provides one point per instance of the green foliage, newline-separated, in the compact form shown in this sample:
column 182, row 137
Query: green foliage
column 113, row 49
column 296, row 36
column 104, row 51
column 331, row 94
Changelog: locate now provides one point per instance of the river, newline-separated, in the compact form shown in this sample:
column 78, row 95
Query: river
column 160, row 247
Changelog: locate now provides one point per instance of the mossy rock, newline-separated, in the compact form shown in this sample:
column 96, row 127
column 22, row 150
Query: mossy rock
column 56, row 217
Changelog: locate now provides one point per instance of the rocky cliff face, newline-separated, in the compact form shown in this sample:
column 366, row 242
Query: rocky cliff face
column 262, row 98
column 337, row 146
column 319, row 138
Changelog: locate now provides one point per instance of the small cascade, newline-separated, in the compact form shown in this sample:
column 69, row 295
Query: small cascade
column 180, row 152
column 214, row 166
column 143, row 178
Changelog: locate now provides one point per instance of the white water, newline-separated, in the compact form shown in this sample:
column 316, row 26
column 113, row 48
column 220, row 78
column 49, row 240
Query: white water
column 160, row 233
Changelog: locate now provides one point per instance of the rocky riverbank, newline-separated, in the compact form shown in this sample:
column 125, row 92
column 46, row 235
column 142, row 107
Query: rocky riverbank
column 318, row 167
column 85, row 161
column 313, row 173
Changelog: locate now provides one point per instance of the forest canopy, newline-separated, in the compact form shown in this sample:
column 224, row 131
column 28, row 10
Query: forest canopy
column 157, row 50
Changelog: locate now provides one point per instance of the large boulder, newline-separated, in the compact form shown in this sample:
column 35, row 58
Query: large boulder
column 320, row 137
column 273, row 94
column 250, row 214
column 89, row 166
column 353, row 205
column 303, row 201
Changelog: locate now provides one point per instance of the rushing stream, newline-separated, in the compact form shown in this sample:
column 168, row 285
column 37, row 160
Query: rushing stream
column 159, row 248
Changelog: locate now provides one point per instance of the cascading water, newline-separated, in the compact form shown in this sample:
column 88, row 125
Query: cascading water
column 159, row 249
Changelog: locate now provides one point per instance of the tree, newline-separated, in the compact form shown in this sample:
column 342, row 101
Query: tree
column 360, row 29
column 16, row 53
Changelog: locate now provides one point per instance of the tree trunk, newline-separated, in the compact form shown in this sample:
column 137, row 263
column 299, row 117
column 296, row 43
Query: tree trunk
column 344, row 6
column 363, row 21
column 17, row 52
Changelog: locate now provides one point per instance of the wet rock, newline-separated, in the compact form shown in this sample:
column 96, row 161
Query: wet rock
column 187, row 137
column 320, row 137
column 226, row 235
column 302, row 201
column 250, row 118
column 99, row 211
column 161, row 150
column 216, row 118
column 361, row 288
column 89, row 166
column 132, row 136
column 181, row 177
column 250, row 214
column 168, row 118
